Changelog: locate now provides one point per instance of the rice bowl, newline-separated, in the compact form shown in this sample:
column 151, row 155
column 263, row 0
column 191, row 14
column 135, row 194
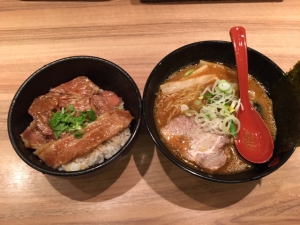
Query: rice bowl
column 103, row 73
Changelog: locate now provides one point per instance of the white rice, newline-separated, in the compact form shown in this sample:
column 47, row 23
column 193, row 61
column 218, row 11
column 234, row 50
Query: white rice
column 104, row 151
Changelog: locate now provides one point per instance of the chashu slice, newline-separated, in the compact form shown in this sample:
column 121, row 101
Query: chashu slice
column 64, row 150
column 194, row 144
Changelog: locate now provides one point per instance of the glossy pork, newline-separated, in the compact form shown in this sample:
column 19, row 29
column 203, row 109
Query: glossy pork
column 80, row 92
column 83, row 95
column 59, row 152
column 194, row 145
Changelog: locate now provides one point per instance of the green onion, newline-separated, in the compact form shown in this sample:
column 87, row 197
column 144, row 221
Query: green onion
column 184, row 107
column 218, row 113
column 66, row 121
column 189, row 72
column 197, row 102
column 232, row 129
column 224, row 86
column 78, row 134
column 208, row 95
column 190, row 112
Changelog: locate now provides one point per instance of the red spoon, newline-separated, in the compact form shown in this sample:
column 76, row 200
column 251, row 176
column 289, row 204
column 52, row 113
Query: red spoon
column 254, row 141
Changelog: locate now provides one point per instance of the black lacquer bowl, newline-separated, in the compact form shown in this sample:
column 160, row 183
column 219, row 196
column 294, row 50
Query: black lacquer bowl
column 261, row 67
column 105, row 74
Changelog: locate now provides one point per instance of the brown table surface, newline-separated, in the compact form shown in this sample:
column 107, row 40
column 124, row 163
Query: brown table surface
column 145, row 188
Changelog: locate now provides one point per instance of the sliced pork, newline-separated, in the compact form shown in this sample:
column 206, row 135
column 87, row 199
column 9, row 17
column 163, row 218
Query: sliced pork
column 80, row 92
column 100, row 138
column 33, row 138
column 41, row 111
column 64, row 150
column 105, row 101
column 193, row 144
column 79, row 85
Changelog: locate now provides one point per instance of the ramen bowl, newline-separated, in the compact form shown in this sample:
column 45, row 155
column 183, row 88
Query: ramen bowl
column 260, row 67
column 105, row 74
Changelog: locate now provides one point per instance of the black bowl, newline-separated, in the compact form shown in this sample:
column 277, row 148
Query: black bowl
column 261, row 67
column 105, row 74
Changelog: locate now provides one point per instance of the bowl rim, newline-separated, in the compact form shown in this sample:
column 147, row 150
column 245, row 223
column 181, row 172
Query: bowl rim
column 91, row 169
column 168, row 154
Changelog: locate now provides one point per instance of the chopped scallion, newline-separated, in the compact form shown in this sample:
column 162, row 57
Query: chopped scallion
column 224, row 86
column 66, row 121
column 189, row 72
column 232, row 129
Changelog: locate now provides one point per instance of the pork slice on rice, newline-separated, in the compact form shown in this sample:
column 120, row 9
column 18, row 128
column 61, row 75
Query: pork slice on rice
column 202, row 148
column 41, row 111
column 64, row 150
column 105, row 101
column 80, row 103
column 33, row 138
column 80, row 85
column 80, row 92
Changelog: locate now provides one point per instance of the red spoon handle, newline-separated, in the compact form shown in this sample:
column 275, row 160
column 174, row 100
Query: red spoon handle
column 238, row 38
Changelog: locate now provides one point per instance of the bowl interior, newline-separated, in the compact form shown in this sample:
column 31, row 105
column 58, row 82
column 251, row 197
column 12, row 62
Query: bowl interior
column 103, row 73
column 261, row 67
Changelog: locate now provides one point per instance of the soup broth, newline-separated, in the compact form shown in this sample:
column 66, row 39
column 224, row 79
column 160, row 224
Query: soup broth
column 169, row 102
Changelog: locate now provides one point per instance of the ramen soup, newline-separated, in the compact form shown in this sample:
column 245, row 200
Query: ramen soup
column 195, row 113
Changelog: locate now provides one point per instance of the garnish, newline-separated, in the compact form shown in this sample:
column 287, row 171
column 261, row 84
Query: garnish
column 66, row 121
column 189, row 72
column 218, row 109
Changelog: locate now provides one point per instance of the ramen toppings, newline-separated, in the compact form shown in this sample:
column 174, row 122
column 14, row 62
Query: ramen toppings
column 196, row 120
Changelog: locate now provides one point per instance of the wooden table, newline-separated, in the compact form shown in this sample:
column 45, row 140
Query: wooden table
column 145, row 188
